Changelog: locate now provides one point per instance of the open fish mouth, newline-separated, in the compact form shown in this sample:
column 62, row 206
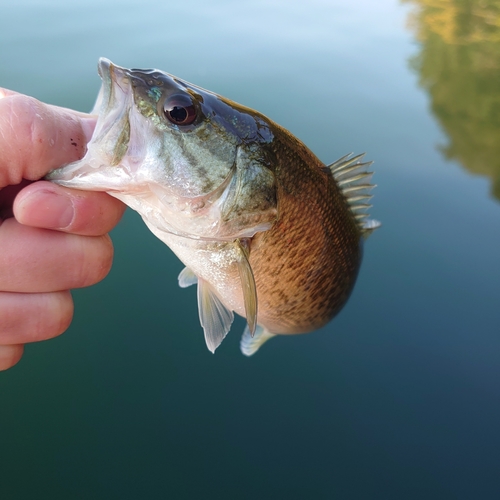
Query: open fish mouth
column 114, row 98
column 110, row 140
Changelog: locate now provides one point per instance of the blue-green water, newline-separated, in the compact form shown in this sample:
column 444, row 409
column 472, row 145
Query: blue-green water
column 397, row 398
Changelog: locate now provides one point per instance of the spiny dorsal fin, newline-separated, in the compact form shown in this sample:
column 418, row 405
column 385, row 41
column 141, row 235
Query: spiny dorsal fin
column 247, row 284
column 250, row 344
column 215, row 317
column 353, row 178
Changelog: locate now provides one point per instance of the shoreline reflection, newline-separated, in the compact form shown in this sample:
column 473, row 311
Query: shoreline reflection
column 459, row 66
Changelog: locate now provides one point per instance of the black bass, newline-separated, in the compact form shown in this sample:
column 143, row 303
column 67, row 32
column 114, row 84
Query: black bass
column 264, row 228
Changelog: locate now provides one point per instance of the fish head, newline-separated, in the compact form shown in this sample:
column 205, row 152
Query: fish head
column 189, row 161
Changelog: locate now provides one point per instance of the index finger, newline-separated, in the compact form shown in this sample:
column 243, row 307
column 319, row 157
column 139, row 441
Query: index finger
column 36, row 138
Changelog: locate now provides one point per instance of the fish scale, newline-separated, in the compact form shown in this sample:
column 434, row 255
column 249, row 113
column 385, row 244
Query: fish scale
column 316, row 239
column 265, row 229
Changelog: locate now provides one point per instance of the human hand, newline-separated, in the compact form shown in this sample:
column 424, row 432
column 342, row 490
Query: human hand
column 52, row 238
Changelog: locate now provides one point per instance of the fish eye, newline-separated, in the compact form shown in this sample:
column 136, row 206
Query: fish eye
column 179, row 109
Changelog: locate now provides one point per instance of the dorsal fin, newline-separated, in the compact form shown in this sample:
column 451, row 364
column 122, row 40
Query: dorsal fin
column 353, row 178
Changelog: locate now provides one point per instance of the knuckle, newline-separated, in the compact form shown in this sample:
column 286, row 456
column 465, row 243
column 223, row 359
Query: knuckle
column 26, row 135
column 36, row 138
column 18, row 114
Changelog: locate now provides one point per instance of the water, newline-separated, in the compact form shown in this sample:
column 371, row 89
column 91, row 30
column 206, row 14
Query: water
column 398, row 396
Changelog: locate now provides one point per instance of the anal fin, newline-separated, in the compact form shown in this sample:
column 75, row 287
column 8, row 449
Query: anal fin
column 250, row 344
column 215, row 317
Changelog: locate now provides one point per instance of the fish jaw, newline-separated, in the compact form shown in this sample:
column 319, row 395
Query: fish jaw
column 116, row 154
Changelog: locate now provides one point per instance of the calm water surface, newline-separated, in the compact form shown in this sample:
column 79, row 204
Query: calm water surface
column 399, row 396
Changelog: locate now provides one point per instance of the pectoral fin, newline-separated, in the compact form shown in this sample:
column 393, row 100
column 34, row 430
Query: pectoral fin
column 215, row 318
column 250, row 344
column 248, row 286
column 187, row 278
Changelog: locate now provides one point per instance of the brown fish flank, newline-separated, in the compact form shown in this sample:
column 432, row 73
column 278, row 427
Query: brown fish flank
column 306, row 265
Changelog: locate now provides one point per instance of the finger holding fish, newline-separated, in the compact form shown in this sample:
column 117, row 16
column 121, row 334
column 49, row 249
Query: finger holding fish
column 46, row 205
column 51, row 238
column 36, row 137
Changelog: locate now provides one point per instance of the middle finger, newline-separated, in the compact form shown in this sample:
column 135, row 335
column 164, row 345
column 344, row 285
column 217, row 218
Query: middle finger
column 40, row 260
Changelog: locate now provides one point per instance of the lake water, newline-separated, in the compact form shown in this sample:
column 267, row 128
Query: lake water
column 398, row 397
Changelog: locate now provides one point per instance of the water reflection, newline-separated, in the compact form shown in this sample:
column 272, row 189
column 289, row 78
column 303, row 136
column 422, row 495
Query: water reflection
column 459, row 65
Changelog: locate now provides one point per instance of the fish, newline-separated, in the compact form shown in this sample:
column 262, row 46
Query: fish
column 265, row 229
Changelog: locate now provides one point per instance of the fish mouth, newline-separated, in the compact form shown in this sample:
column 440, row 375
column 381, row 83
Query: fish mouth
column 110, row 141
column 112, row 76
column 114, row 100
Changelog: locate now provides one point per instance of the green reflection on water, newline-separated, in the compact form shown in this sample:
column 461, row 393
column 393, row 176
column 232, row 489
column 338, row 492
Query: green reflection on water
column 459, row 66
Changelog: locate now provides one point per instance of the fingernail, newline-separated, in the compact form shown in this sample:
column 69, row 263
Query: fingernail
column 48, row 209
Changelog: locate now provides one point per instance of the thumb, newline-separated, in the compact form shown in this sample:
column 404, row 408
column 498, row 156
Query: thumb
column 36, row 137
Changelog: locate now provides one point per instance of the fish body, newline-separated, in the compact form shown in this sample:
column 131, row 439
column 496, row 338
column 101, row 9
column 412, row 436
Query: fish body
column 264, row 228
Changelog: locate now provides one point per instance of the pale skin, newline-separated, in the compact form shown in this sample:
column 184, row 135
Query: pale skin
column 52, row 239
